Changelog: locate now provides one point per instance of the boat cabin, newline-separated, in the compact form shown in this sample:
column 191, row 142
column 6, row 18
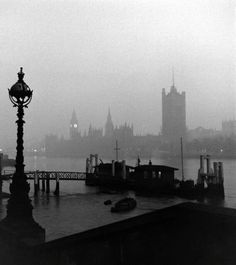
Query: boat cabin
column 113, row 173
column 154, row 177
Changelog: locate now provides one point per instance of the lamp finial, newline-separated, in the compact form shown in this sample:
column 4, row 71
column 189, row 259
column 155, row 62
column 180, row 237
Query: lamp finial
column 21, row 74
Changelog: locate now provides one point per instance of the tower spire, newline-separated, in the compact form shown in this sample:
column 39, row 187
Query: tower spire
column 173, row 77
column 173, row 88
column 109, row 127
column 74, row 117
column 109, row 114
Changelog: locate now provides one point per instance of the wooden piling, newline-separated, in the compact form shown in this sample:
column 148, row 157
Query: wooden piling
column 35, row 184
column 57, row 191
column 47, row 183
column 43, row 182
column 38, row 181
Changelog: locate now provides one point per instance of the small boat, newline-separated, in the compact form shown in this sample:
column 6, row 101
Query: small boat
column 107, row 202
column 125, row 204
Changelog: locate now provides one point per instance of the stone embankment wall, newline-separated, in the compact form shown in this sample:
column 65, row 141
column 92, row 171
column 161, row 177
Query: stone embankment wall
column 187, row 233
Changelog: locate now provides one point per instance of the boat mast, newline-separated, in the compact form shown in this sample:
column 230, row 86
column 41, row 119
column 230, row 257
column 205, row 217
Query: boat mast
column 117, row 149
column 182, row 159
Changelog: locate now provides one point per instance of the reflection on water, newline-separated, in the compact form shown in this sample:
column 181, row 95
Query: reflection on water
column 80, row 207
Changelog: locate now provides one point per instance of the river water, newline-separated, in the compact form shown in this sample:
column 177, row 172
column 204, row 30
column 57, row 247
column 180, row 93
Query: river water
column 80, row 208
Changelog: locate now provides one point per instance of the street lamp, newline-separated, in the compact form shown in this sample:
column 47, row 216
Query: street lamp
column 19, row 219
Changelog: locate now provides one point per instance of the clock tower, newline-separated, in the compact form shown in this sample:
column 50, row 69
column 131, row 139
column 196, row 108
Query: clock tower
column 74, row 128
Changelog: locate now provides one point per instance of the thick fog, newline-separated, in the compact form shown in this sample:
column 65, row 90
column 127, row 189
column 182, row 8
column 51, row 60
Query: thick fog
column 92, row 55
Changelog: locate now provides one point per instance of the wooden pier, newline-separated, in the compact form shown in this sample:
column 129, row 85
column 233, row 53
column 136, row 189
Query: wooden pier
column 45, row 177
column 52, row 175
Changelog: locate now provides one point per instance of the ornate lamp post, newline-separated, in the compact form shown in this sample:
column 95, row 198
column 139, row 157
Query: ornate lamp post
column 19, row 219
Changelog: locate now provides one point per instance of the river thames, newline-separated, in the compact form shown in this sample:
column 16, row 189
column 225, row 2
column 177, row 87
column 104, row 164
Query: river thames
column 80, row 207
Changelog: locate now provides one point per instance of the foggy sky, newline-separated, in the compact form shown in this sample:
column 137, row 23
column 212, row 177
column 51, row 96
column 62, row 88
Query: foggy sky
column 92, row 55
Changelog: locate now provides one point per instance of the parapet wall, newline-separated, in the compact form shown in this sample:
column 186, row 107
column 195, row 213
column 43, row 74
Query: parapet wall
column 187, row 233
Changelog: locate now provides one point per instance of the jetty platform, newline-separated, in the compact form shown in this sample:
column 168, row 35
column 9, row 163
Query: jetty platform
column 187, row 233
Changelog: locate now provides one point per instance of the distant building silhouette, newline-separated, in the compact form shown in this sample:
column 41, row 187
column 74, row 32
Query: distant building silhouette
column 102, row 140
column 109, row 127
column 94, row 133
column 229, row 128
column 94, row 140
column 124, row 132
column 201, row 133
column 173, row 115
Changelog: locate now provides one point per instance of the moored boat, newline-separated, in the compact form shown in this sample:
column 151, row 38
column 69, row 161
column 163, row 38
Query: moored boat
column 107, row 202
column 160, row 180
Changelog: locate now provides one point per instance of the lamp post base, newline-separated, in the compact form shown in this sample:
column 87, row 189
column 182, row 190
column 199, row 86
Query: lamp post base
column 18, row 240
column 19, row 222
column 22, row 230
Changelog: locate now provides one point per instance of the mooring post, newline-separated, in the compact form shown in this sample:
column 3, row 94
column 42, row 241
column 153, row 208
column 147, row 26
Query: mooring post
column 35, row 184
column 113, row 168
column 87, row 165
column 56, row 192
column 91, row 163
column 201, row 164
column 208, row 159
column 123, row 170
column 47, row 183
column 43, row 182
column 1, row 157
column 96, row 160
column 216, row 172
column 221, row 172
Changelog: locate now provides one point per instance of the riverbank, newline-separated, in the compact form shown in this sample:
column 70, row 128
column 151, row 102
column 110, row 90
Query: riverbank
column 163, row 236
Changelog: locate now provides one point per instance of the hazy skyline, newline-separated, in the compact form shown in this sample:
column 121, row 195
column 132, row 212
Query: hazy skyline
column 92, row 55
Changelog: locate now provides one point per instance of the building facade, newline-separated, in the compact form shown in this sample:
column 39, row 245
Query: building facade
column 173, row 115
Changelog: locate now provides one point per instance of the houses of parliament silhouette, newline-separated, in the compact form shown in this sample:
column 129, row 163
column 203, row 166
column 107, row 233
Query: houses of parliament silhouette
column 97, row 140
column 122, row 132
column 94, row 140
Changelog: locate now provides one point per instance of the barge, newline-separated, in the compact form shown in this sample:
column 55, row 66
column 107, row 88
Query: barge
column 157, row 180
